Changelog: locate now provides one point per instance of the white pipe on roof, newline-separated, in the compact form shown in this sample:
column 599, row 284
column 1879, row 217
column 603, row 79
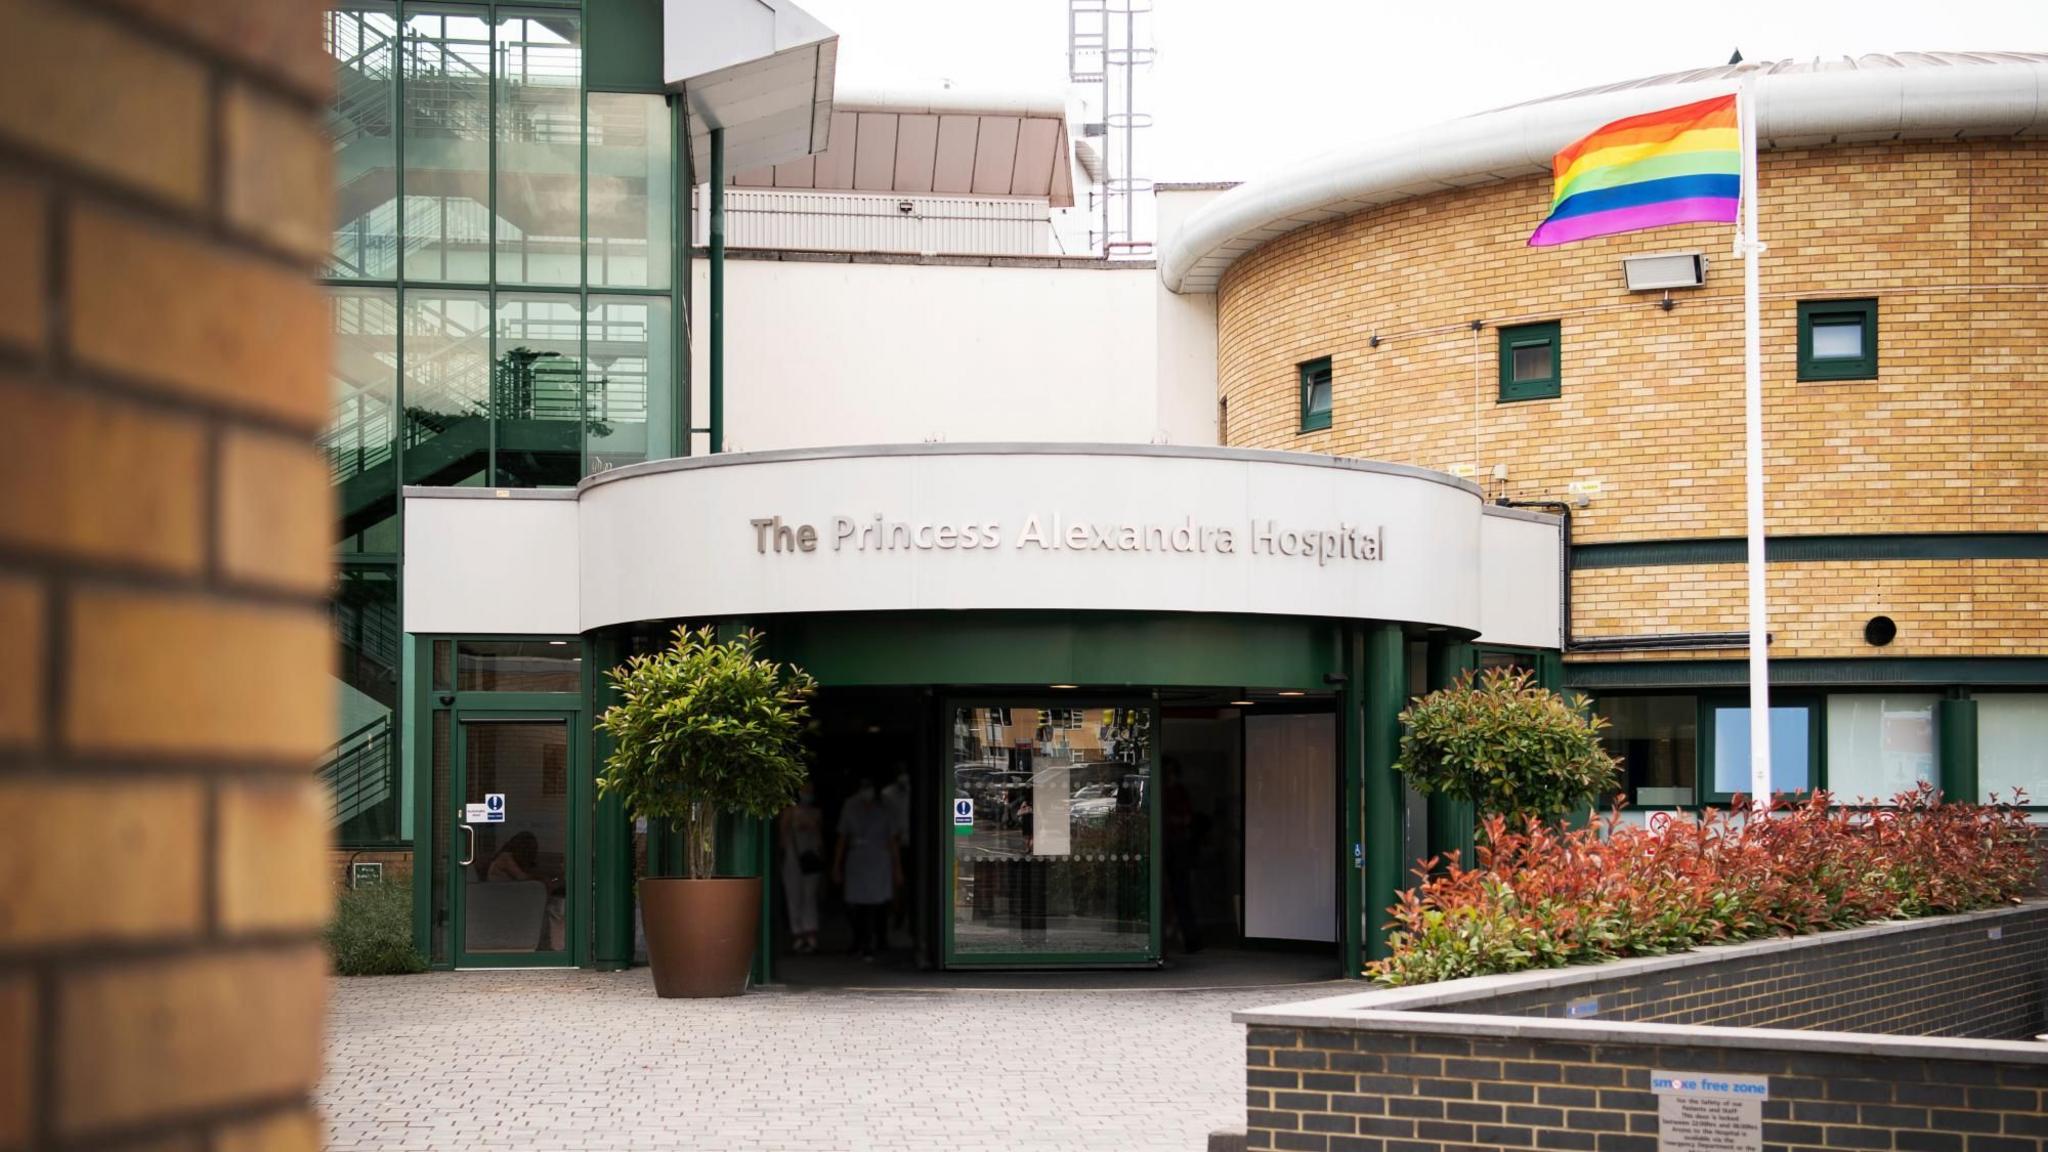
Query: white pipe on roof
column 951, row 102
column 1794, row 109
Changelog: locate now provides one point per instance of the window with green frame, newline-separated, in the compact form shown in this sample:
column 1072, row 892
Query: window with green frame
column 1838, row 339
column 1796, row 748
column 1530, row 362
column 1316, row 387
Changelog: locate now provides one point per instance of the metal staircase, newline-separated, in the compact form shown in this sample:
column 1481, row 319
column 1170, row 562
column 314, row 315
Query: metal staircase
column 361, row 770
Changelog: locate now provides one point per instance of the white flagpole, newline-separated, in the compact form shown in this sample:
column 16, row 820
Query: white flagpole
column 1749, row 247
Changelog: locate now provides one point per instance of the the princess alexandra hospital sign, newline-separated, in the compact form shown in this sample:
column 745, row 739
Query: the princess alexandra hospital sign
column 1057, row 532
column 923, row 527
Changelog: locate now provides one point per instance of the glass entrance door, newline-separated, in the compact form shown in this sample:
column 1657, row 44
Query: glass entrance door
column 1052, row 836
column 512, row 841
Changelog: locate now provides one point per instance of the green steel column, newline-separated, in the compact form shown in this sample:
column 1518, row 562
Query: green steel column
column 1450, row 819
column 1351, row 713
column 718, row 290
column 1385, row 678
column 613, row 834
column 1956, row 720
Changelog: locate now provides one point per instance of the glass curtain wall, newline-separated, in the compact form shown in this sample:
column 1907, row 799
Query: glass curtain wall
column 482, row 196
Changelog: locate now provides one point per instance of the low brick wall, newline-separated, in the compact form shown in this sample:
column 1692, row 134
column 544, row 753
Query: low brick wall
column 1955, row 976
column 1516, row 1062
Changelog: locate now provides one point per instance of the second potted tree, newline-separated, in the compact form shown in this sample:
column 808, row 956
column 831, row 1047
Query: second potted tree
column 704, row 727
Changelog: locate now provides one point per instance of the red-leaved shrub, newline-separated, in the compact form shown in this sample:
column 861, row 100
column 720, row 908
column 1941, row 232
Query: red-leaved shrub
column 1544, row 897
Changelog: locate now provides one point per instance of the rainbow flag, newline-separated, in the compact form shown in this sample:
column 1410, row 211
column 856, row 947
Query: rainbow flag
column 1672, row 167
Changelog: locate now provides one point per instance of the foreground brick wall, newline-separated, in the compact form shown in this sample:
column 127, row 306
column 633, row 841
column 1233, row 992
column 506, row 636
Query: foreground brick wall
column 163, row 514
column 1952, row 238
column 1957, row 978
column 1563, row 1059
column 1358, row 1091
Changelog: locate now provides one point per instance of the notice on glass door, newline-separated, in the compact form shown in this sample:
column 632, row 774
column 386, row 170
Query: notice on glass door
column 1710, row 1112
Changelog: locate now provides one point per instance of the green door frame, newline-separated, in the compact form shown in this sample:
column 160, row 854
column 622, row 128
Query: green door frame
column 517, row 707
column 947, row 860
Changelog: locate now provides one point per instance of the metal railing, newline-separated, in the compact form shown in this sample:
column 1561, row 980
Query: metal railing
column 360, row 771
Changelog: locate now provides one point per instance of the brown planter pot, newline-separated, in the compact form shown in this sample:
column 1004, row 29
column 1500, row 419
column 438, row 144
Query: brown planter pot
column 700, row 934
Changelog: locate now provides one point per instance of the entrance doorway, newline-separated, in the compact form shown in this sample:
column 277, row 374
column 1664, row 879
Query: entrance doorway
column 1052, row 835
column 511, row 887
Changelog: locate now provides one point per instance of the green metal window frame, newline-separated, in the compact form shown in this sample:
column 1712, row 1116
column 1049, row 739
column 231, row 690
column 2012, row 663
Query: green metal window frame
column 1815, row 705
column 947, row 860
column 626, row 77
column 1814, row 313
column 1513, row 389
column 1315, row 419
column 428, row 697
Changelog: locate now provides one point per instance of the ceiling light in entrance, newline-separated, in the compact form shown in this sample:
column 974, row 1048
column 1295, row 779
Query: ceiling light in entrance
column 1062, row 685
column 1243, row 703
column 1292, row 692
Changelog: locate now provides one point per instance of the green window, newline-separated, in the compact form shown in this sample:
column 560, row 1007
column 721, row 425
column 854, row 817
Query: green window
column 1315, row 394
column 1529, row 362
column 1838, row 339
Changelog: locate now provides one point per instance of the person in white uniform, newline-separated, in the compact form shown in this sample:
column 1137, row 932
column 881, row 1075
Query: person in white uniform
column 867, row 866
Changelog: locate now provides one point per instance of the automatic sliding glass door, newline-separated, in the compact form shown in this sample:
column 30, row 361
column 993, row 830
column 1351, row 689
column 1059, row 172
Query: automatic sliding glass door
column 1052, row 835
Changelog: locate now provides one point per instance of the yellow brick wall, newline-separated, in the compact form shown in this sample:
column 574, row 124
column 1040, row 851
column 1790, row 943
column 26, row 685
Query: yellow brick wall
column 164, row 683
column 1818, row 609
column 1952, row 238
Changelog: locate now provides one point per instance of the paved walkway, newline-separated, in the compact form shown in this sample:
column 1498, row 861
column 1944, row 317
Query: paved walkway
column 574, row 1061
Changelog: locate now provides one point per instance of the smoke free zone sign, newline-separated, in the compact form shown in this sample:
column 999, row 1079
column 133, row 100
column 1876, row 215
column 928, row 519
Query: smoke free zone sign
column 1709, row 1112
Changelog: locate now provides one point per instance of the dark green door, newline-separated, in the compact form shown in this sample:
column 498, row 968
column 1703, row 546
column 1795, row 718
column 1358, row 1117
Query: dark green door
column 515, row 871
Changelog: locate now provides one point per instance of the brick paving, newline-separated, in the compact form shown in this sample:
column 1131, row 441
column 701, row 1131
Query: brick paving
column 587, row 1061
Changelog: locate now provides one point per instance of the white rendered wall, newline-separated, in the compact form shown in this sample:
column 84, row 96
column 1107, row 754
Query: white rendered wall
column 1186, row 338
column 478, row 563
column 1290, row 835
column 822, row 353
column 1518, row 587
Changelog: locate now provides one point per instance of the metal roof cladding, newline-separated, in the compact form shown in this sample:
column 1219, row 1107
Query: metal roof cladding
column 1800, row 103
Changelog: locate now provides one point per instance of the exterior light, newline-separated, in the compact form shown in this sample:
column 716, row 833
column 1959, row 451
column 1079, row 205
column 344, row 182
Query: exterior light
column 1243, row 703
column 1293, row 692
column 559, row 643
column 1664, row 270
column 1062, row 685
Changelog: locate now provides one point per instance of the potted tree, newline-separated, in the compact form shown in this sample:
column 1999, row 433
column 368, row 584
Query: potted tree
column 704, row 727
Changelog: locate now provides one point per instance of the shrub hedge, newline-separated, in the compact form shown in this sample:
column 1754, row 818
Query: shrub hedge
column 371, row 934
column 1545, row 897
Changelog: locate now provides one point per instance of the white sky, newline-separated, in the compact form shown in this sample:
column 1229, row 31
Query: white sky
column 1241, row 87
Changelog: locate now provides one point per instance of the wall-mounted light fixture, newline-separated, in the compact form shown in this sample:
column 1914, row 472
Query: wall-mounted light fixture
column 1662, row 271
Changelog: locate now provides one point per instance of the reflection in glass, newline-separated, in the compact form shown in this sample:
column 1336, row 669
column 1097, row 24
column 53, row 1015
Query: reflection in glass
column 361, row 36
column 2012, row 746
column 361, row 439
column 1791, row 762
column 540, row 149
column 537, row 392
column 1879, row 744
column 518, row 666
column 1838, row 340
column 1052, row 850
column 1532, row 362
column 361, row 767
column 447, row 387
column 515, row 886
column 630, row 417
column 447, row 144
column 631, row 191
column 1654, row 737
